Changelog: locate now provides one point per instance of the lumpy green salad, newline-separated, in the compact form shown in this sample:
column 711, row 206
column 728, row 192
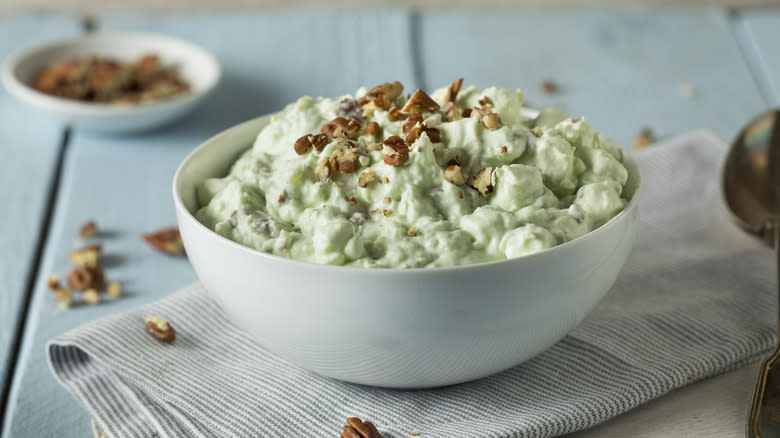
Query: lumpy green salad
column 385, row 179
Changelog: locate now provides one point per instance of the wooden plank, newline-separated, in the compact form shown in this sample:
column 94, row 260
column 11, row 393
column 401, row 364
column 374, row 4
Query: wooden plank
column 29, row 148
column 620, row 70
column 124, row 182
column 98, row 6
column 760, row 32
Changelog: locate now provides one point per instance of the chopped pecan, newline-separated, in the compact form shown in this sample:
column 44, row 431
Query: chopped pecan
column 394, row 114
column 548, row 86
column 344, row 160
column 319, row 141
column 412, row 232
column 476, row 113
column 373, row 129
column 411, row 122
column 86, row 256
column 484, row 101
column 366, row 178
column 53, row 282
column 303, row 144
column 323, row 170
column 306, row 142
column 342, row 128
column 86, row 277
column 356, row 428
column 537, row 132
column 419, row 102
column 643, row 139
column 466, row 112
column 114, row 290
column 381, row 96
column 454, row 89
column 451, row 112
column 349, row 107
column 160, row 329
column 504, row 149
column 167, row 240
column 387, row 213
column 91, row 297
column 396, row 151
column 64, row 297
column 433, row 134
column 454, row 174
column 491, row 121
column 88, row 230
column 482, row 181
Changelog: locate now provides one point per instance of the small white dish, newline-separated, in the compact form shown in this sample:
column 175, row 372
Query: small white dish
column 194, row 64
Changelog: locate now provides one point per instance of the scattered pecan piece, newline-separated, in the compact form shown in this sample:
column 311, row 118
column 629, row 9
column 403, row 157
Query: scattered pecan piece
column 86, row 256
column 504, row 150
column 91, row 297
column 466, row 112
column 373, row 129
column 323, row 170
column 396, row 151
column 53, row 282
column 484, row 101
column 412, row 232
column 64, row 297
column 303, row 144
column 643, row 139
column 114, row 290
column 454, row 174
column 482, row 181
column 357, row 428
column 160, row 329
column 366, row 178
column 167, row 240
column 86, row 277
column 548, row 86
column 537, row 132
column 419, row 102
column 387, row 213
column 88, row 230
column 492, row 121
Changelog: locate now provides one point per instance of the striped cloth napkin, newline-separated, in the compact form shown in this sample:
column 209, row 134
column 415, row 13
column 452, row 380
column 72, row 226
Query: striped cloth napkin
column 696, row 298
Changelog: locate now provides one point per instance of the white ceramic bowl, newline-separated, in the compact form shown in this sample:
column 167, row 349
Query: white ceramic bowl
column 195, row 65
column 401, row 328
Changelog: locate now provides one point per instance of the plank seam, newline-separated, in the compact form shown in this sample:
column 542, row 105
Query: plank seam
column 32, row 275
column 749, row 50
column 415, row 32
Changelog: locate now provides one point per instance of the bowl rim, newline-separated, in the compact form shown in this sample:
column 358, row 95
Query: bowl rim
column 23, row 91
column 184, row 214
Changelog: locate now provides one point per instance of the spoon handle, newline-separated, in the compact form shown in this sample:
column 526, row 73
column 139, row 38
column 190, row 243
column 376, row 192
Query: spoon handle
column 764, row 414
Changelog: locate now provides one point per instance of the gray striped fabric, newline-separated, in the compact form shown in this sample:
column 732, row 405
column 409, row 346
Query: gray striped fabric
column 695, row 299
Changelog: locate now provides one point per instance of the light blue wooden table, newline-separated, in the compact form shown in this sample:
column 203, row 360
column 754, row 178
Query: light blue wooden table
column 622, row 70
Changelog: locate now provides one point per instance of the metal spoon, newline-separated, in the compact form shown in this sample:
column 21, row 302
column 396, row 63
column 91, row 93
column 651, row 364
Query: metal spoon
column 751, row 188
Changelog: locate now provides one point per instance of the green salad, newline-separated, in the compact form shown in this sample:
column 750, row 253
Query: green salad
column 384, row 179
